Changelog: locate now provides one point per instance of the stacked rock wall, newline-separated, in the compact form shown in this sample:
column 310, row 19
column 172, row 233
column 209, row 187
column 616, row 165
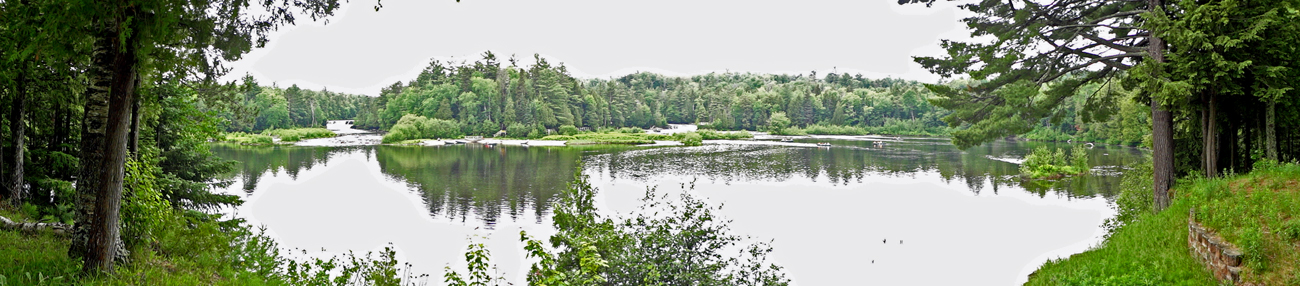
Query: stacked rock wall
column 1221, row 257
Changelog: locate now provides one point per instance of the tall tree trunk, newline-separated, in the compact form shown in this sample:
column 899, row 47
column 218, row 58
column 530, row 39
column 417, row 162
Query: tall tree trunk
column 19, row 128
column 1162, row 128
column 60, row 133
column 1209, row 135
column 1228, row 145
column 97, row 237
column 1270, row 132
column 312, row 106
column 134, row 137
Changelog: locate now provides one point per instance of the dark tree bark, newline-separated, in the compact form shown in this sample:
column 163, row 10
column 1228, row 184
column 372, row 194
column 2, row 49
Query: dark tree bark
column 1209, row 136
column 60, row 128
column 1162, row 127
column 1270, row 134
column 134, row 137
column 96, row 237
column 17, row 193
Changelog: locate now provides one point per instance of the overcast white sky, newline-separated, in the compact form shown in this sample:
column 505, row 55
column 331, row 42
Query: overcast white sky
column 361, row 50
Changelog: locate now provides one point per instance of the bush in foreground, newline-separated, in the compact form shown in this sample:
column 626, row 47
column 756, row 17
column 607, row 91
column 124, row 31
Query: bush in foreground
column 668, row 242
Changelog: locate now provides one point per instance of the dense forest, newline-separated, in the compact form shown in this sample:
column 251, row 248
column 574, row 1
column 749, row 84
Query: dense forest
column 485, row 97
column 255, row 108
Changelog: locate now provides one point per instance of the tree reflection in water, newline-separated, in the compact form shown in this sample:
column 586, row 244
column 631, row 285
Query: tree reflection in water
column 460, row 181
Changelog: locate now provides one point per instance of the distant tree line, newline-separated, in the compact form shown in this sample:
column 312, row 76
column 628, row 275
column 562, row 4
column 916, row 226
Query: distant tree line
column 257, row 108
column 487, row 96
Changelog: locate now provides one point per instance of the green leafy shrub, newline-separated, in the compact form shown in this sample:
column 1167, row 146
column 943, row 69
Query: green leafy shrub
column 412, row 127
column 693, row 139
column 777, row 123
column 568, row 130
column 537, row 132
column 1134, row 198
column 669, row 241
column 1043, row 162
column 517, row 130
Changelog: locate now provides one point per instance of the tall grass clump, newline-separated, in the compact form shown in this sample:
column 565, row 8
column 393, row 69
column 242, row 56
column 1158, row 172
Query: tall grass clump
column 707, row 134
column 248, row 139
column 819, row 129
column 419, row 127
column 298, row 134
column 608, row 138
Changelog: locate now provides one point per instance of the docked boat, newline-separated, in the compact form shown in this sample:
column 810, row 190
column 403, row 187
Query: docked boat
column 787, row 139
column 823, row 144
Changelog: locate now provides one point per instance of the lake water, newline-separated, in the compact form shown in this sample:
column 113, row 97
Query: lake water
column 947, row 216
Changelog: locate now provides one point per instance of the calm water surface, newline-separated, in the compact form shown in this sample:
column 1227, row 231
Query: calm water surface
column 948, row 217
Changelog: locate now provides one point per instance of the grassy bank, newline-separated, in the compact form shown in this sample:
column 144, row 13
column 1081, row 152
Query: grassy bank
column 1255, row 211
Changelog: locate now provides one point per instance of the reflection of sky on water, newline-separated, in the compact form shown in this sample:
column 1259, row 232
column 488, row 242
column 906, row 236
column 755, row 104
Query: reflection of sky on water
column 351, row 205
column 960, row 213
column 829, row 235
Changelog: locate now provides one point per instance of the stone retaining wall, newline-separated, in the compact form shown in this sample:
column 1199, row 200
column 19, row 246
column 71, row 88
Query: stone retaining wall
column 1221, row 257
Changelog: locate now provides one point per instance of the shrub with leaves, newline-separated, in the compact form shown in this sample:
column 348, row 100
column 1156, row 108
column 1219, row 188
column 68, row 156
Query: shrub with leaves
column 419, row 127
column 1048, row 163
column 668, row 242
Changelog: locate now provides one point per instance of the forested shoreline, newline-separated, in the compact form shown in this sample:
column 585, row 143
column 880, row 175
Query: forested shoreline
column 484, row 97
